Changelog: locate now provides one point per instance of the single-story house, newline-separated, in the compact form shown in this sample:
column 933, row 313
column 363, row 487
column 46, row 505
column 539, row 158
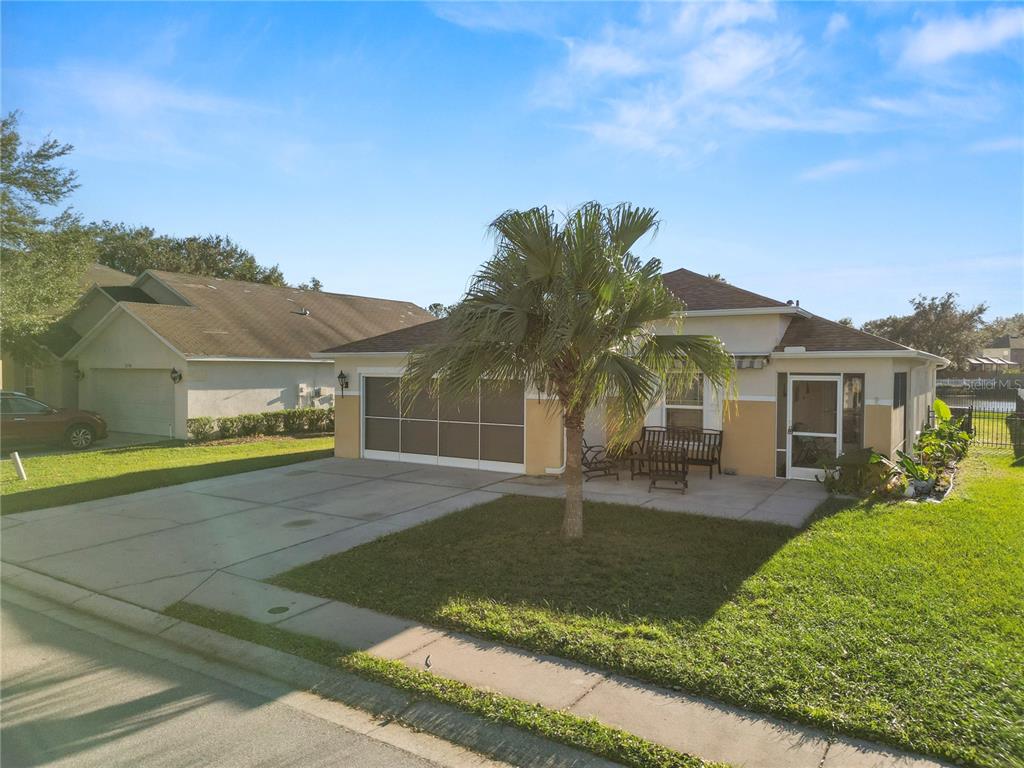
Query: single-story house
column 1009, row 349
column 805, row 388
column 164, row 347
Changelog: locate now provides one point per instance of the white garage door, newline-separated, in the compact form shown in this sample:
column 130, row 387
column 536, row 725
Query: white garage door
column 135, row 400
column 481, row 431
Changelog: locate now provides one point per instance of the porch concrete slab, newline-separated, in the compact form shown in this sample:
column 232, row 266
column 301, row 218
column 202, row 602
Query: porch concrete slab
column 521, row 487
column 803, row 488
column 160, row 593
column 785, row 510
column 852, row 753
column 687, row 505
column 181, row 507
column 413, row 517
column 8, row 522
column 373, row 499
column 209, row 545
column 369, row 468
column 362, row 629
column 455, row 477
column 281, row 487
column 715, row 732
column 254, row 600
column 27, row 542
column 545, row 680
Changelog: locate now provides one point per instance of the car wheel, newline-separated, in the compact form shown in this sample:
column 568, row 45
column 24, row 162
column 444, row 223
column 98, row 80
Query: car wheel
column 80, row 436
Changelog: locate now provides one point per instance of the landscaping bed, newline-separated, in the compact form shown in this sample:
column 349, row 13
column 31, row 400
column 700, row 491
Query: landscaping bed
column 898, row 622
column 67, row 478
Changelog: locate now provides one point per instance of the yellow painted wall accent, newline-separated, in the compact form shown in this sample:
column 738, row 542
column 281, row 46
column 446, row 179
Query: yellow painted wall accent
column 346, row 426
column 543, row 436
column 748, row 438
column 878, row 427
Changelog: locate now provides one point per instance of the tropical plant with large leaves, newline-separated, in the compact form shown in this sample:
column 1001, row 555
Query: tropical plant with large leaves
column 566, row 307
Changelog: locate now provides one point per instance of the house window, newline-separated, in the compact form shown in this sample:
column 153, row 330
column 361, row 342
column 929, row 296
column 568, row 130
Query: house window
column 780, row 425
column 684, row 402
column 853, row 411
column 899, row 410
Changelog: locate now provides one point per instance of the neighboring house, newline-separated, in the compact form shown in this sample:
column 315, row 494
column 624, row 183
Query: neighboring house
column 49, row 377
column 806, row 388
column 1008, row 349
column 167, row 347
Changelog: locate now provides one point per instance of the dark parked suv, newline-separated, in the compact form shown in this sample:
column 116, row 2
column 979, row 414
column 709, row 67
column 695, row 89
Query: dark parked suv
column 29, row 422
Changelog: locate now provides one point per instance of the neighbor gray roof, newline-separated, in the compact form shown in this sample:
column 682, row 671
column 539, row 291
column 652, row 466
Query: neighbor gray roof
column 231, row 318
column 103, row 276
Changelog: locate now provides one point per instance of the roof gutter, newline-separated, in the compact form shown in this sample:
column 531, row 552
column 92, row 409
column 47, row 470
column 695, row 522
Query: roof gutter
column 784, row 310
column 903, row 353
column 229, row 359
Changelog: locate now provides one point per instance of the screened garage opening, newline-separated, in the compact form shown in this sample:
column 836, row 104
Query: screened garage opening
column 481, row 431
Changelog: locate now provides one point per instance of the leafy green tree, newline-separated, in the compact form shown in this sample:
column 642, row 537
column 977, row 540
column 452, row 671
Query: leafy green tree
column 847, row 321
column 437, row 309
column 314, row 284
column 136, row 249
column 1002, row 326
column 42, row 259
column 938, row 325
column 564, row 306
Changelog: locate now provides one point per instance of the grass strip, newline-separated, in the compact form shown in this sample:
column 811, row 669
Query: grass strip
column 580, row 733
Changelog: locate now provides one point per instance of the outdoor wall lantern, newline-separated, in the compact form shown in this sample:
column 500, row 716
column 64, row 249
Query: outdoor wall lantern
column 342, row 382
column 176, row 375
column 79, row 374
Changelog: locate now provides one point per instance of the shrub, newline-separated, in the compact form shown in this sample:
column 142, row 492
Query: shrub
column 273, row 422
column 230, row 426
column 294, row 420
column 858, row 472
column 321, row 420
column 251, row 424
column 201, row 428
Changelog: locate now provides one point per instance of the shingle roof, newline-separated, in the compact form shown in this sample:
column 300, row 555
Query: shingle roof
column 404, row 340
column 816, row 334
column 701, row 292
column 103, row 276
column 231, row 318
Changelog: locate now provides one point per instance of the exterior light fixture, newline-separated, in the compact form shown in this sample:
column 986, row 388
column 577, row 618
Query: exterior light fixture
column 342, row 382
column 176, row 375
column 79, row 374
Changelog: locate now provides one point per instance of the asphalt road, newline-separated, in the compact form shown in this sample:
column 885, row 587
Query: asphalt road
column 72, row 697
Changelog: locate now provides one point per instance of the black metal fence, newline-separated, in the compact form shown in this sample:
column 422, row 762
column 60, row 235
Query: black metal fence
column 992, row 418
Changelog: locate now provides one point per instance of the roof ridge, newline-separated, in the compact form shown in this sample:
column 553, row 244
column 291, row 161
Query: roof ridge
column 159, row 272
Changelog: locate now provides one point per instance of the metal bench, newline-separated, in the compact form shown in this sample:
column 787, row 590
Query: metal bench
column 596, row 462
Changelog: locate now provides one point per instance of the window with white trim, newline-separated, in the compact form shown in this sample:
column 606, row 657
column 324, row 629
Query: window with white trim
column 684, row 402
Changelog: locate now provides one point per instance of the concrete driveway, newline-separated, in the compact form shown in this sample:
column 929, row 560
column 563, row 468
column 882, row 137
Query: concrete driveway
column 157, row 547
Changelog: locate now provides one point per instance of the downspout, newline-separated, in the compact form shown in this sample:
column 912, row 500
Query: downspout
column 565, row 456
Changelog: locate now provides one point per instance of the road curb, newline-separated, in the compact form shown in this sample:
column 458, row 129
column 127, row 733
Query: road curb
column 487, row 738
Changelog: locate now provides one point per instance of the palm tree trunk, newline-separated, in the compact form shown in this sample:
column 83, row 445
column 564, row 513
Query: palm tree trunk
column 572, row 522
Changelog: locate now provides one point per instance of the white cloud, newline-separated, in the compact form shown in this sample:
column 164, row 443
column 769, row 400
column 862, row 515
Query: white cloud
column 1005, row 144
column 733, row 14
column 595, row 59
column 735, row 57
column 835, row 168
column 837, row 24
column 943, row 39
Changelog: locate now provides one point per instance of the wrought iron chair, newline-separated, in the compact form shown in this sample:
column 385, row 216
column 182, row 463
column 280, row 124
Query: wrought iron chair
column 596, row 462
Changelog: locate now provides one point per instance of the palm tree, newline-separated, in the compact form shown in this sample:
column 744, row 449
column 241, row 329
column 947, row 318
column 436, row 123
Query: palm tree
column 565, row 307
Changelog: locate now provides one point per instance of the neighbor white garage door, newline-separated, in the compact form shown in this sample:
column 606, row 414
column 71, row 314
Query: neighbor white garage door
column 135, row 400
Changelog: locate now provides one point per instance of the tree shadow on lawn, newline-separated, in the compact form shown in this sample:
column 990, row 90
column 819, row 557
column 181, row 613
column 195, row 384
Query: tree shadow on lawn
column 632, row 565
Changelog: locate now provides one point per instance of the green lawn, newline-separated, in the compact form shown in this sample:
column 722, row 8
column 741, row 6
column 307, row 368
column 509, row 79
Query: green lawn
column 71, row 477
column 902, row 623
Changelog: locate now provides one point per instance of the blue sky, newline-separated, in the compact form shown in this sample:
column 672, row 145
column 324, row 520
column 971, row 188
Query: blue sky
column 850, row 156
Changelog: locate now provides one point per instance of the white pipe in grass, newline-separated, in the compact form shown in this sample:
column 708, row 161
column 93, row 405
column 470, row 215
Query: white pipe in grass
column 18, row 466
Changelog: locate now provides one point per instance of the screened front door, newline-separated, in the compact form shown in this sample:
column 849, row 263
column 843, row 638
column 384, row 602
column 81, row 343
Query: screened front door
column 814, row 424
column 484, row 430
